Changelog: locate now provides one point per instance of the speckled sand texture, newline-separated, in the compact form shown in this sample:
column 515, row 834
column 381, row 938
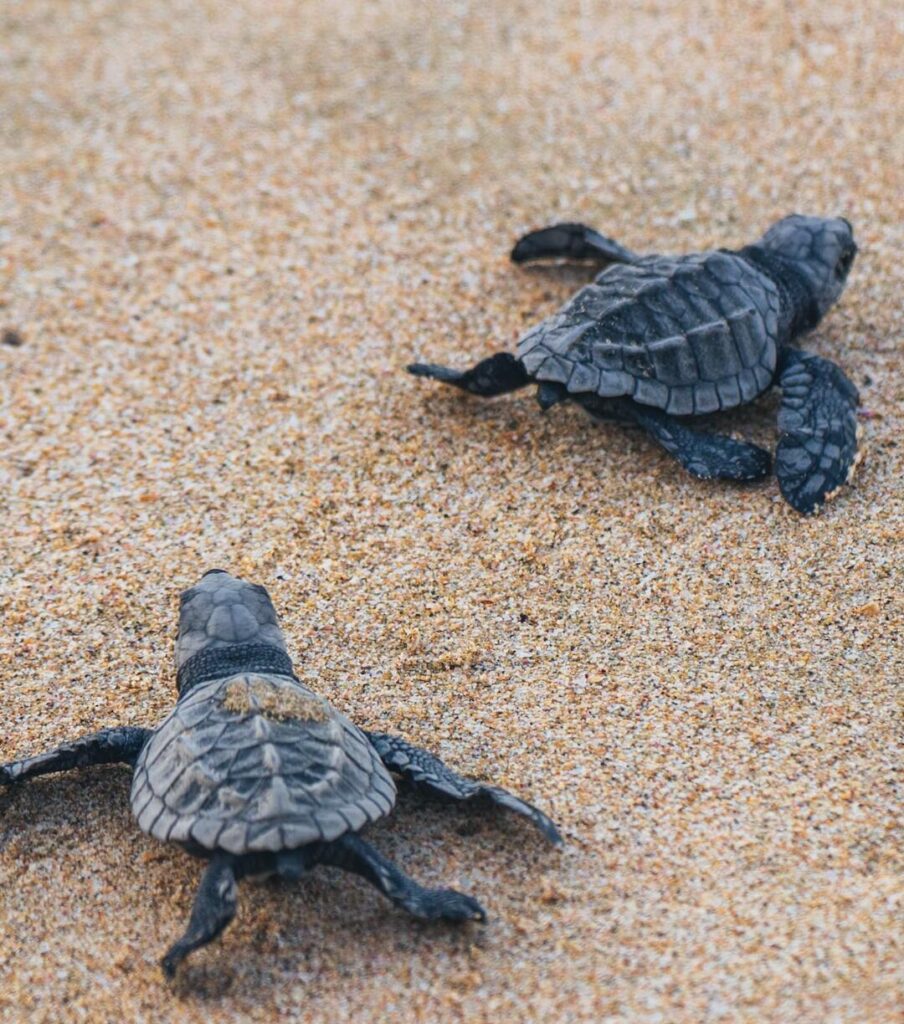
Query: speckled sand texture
column 224, row 229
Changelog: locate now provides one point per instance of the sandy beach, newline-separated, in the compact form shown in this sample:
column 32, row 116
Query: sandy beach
column 225, row 228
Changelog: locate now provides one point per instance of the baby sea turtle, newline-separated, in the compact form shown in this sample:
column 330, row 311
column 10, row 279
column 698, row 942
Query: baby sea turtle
column 259, row 776
column 657, row 338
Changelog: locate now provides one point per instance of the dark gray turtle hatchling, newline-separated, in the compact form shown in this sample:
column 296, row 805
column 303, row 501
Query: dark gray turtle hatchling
column 655, row 339
column 259, row 776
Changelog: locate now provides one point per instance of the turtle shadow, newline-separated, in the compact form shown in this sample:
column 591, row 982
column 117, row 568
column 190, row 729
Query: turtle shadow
column 75, row 806
column 435, row 814
column 572, row 274
column 603, row 447
column 327, row 923
column 331, row 922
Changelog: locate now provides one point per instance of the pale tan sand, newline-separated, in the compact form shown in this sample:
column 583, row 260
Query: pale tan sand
column 225, row 229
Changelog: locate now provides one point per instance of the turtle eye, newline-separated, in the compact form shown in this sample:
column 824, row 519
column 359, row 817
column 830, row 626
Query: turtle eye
column 845, row 262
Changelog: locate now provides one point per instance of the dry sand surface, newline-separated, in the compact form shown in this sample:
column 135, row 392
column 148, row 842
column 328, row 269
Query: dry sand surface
column 225, row 229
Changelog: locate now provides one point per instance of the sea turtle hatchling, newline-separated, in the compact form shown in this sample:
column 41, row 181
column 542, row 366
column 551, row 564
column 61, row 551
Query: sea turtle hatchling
column 258, row 775
column 655, row 339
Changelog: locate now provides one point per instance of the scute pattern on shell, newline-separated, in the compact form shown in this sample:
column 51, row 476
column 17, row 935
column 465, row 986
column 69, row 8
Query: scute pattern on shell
column 242, row 775
column 688, row 334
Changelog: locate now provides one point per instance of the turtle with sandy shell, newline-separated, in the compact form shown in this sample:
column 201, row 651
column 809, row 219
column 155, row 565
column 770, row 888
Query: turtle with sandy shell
column 259, row 776
column 657, row 340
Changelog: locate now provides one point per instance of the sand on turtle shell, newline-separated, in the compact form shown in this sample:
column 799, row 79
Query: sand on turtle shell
column 224, row 229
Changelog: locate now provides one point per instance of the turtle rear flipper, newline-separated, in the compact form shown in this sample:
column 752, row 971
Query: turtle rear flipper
column 571, row 242
column 706, row 456
column 495, row 375
column 214, row 907
column 817, row 450
column 352, row 853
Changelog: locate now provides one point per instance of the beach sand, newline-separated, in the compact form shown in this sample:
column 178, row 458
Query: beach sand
column 225, row 228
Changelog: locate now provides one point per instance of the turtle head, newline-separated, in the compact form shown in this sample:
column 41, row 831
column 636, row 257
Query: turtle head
column 222, row 611
column 817, row 254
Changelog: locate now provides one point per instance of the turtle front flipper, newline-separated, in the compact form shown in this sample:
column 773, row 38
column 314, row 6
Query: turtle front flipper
column 495, row 375
column 121, row 745
column 214, row 907
column 706, row 456
column 570, row 242
column 425, row 769
column 817, row 449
